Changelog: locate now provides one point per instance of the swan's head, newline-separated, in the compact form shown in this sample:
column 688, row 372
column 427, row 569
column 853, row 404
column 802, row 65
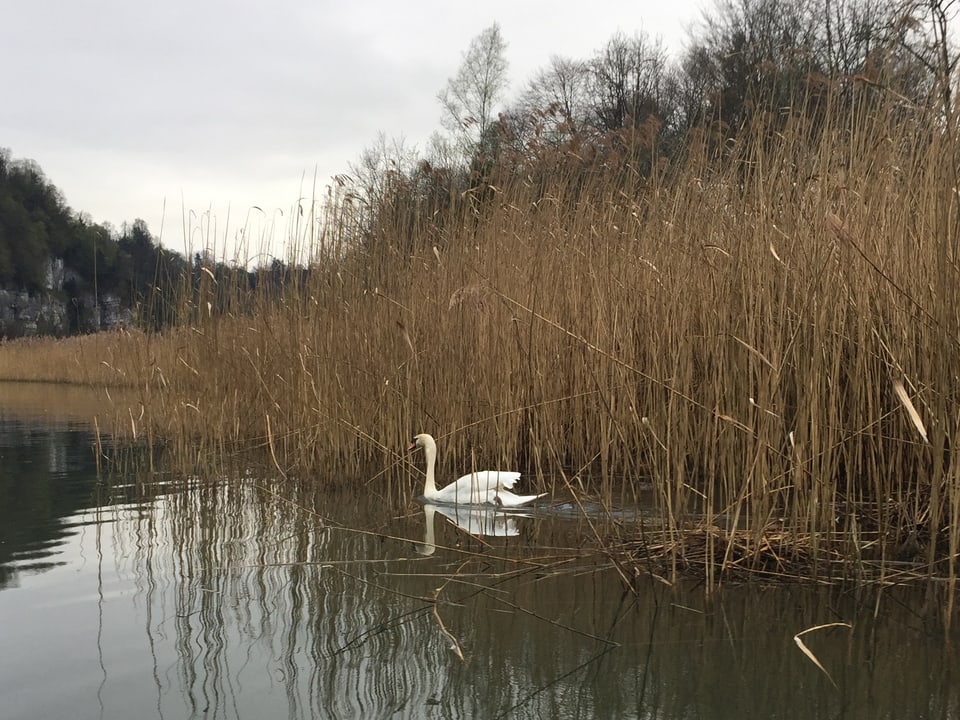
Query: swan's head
column 423, row 440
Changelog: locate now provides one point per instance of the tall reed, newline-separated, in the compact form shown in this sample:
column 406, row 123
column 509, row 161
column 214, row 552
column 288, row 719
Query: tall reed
column 732, row 329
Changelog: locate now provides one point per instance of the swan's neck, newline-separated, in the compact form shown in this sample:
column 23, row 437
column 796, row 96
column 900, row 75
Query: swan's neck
column 430, row 486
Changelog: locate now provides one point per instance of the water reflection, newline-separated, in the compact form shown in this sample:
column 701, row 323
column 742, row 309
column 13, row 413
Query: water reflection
column 483, row 520
column 46, row 477
column 237, row 597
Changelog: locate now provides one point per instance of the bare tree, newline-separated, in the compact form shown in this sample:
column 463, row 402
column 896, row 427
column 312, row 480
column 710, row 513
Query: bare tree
column 377, row 177
column 925, row 32
column 471, row 95
column 852, row 31
column 750, row 55
column 558, row 94
column 627, row 82
column 689, row 85
column 754, row 53
column 942, row 13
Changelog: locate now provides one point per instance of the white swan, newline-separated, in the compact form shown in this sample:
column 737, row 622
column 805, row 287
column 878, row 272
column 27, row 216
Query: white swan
column 485, row 487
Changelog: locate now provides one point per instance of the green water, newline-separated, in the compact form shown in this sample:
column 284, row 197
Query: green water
column 153, row 596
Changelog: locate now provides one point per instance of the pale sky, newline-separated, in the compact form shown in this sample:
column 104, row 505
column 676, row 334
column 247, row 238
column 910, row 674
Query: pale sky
column 206, row 108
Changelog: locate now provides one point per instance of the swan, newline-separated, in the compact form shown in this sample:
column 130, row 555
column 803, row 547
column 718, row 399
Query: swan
column 484, row 487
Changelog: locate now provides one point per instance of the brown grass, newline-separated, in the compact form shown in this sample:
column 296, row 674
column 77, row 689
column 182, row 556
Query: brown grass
column 761, row 337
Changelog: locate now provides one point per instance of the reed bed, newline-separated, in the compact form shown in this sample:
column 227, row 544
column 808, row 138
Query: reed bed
column 768, row 334
column 79, row 360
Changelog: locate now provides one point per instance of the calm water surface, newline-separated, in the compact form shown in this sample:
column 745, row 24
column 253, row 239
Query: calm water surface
column 150, row 596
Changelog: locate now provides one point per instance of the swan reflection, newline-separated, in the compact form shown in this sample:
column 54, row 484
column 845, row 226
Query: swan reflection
column 484, row 520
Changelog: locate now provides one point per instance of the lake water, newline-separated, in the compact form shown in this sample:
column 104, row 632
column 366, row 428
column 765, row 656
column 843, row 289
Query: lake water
column 145, row 595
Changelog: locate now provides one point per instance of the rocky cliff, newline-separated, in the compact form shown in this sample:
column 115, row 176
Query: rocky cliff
column 52, row 312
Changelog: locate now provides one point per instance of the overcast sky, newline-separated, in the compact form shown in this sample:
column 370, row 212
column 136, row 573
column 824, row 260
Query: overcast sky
column 154, row 110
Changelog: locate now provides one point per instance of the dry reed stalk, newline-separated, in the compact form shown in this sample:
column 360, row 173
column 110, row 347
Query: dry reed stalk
column 798, row 639
column 911, row 410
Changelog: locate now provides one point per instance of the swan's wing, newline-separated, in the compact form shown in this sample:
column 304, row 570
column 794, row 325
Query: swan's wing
column 489, row 480
column 465, row 492
column 477, row 488
column 506, row 480
column 508, row 499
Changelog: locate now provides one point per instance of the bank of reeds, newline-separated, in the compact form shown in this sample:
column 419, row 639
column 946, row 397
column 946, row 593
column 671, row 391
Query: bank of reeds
column 80, row 360
column 768, row 334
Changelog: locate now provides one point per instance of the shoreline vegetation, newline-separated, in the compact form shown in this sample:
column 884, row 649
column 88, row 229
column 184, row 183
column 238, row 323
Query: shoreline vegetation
column 762, row 329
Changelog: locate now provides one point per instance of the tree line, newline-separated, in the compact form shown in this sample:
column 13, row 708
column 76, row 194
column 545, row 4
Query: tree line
column 37, row 226
column 750, row 67
column 160, row 285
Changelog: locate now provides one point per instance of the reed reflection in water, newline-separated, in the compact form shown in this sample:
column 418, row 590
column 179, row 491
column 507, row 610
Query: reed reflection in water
column 248, row 599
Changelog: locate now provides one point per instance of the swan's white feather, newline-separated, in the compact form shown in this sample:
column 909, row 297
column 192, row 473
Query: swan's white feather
column 485, row 487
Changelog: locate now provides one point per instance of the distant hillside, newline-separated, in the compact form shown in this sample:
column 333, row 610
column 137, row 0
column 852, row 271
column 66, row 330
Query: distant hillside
column 61, row 273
